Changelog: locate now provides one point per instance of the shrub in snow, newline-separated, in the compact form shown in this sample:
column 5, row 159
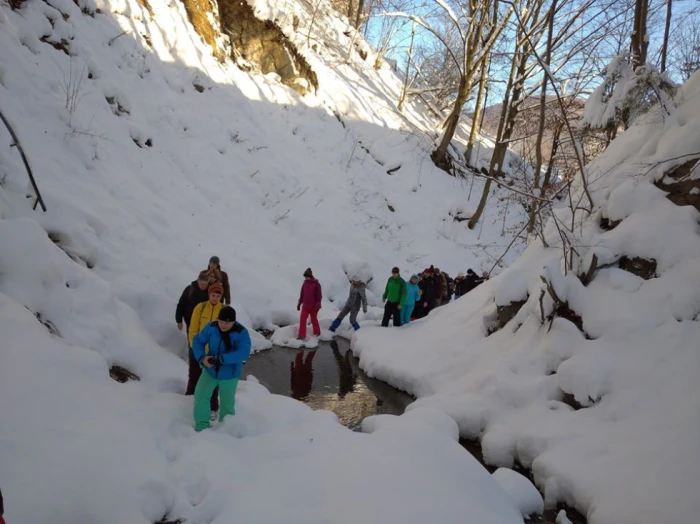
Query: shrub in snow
column 627, row 93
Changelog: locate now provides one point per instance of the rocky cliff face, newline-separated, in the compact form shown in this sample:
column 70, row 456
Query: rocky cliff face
column 260, row 43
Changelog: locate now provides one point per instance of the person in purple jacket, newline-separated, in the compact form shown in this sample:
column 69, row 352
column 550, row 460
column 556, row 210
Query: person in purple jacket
column 309, row 304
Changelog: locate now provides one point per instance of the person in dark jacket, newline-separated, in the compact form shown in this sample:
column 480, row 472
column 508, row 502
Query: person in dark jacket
column 2, row 509
column 193, row 294
column 427, row 298
column 221, row 348
column 437, row 287
column 395, row 298
column 473, row 280
column 220, row 276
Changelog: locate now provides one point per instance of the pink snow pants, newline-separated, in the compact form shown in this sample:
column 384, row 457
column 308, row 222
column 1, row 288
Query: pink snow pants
column 305, row 313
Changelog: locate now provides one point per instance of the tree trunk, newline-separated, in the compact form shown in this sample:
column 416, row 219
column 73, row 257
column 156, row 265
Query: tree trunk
column 534, row 207
column 350, row 11
column 439, row 156
column 409, row 55
column 477, row 113
column 360, row 8
column 667, row 30
column 639, row 42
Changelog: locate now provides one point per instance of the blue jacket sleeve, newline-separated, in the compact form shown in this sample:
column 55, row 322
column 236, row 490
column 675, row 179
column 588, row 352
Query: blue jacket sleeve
column 199, row 341
column 242, row 351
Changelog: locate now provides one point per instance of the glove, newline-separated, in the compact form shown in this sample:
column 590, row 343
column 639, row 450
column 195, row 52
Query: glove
column 298, row 307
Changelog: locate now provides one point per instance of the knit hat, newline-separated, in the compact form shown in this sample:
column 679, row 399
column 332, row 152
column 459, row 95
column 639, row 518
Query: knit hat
column 460, row 275
column 308, row 273
column 470, row 271
column 216, row 287
column 395, row 269
column 227, row 314
column 214, row 260
column 203, row 276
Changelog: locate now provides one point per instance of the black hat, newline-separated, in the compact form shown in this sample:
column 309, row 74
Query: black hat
column 214, row 260
column 308, row 273
column 395, row 270
column 227, row 314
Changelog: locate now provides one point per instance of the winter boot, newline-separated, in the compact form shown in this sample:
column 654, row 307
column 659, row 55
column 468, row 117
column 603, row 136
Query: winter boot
column 335, row 325
column 356, row 326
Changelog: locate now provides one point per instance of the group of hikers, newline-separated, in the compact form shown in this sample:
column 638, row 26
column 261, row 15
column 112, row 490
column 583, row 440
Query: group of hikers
column 218, row 345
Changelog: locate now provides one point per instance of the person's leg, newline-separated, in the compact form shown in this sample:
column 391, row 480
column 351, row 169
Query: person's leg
column 214, row 404
column 353, row 316
column 387, row 314
column 397, row 315
column 302, row 322
column 202, row 400
column 228, row 397
column 406, row 313
column 193, row 374
column 314, row 323
column 339, row 319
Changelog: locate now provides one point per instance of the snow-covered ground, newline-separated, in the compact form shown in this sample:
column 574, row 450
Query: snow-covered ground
column 625, row 449
column 152, row 156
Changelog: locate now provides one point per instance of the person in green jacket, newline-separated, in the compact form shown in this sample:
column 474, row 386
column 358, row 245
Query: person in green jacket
column 395, row 297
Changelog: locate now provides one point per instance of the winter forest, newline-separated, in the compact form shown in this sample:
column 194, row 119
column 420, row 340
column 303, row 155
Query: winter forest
column 330, row 261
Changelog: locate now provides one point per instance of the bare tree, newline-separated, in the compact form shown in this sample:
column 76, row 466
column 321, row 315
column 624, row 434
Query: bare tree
column 667, row 29
column 639, row 43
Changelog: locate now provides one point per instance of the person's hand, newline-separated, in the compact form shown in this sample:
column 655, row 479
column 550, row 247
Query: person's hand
column 383, row 299
column 208, row 362
column 425, row 304
column 399, row 306
column 179, row 326
column 298, row 307
column 364, row 310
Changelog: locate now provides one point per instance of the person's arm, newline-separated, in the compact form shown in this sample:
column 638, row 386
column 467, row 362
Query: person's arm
column 241, row 352
column 301, row 297
column 386, row 291
column 199, row 342
column 227, row 288
column 402, row 293
column 180, row 309
column 319, row 295
column 363, row 298
column 195, row 323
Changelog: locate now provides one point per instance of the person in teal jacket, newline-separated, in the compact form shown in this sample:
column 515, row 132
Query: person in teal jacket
column 220, row 348
column 413, row 294
column 395, row 297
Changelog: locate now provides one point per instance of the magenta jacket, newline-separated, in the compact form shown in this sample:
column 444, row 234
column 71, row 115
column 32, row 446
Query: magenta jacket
column 310, row 296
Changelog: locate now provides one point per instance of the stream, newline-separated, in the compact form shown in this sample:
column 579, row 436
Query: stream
column 330, row 378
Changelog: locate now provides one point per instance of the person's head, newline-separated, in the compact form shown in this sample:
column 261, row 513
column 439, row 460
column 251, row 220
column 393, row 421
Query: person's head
column 227, row 318
column 460, row 275
column 470, row 272
column 203, row 280
column 216, row 291
column 414, row 279
column 308, row 273
column 214, row 262
column 356, row 282
column 395, row 271
column 436, row 271
column 426, row 273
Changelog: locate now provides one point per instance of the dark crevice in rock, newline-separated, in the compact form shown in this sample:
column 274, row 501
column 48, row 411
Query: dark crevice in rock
column 116, row 107
column 642, row 267
column 570, row 400
column 263, row 43
column 607, row 224
column 58, row 239
column 48, row 324
column 681, row 189
column 393, row 170
column 122, row 375
column 550, row 515
column 505, row 314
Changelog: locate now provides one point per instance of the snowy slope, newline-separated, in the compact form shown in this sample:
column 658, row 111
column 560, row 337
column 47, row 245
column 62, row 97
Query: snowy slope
column 146, row 177
column 606, row 416
column 152, row 156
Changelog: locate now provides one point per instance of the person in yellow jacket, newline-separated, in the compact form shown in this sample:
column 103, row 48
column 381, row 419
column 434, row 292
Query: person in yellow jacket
column 203, row 313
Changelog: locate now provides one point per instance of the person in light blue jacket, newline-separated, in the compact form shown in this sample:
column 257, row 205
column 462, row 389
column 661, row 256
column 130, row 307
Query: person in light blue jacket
column 413, row 293
column 220, row 348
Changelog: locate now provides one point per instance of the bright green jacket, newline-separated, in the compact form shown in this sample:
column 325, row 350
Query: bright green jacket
column 395, row 290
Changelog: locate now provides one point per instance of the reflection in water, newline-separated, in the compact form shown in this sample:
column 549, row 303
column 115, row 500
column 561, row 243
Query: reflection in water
column 302, row 374
column 327, row 378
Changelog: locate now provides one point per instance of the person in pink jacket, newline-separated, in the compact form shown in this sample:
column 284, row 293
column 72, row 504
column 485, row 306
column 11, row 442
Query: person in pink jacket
column 309, row 303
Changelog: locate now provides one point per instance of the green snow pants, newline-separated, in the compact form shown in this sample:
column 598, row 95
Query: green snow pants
column 202, row 396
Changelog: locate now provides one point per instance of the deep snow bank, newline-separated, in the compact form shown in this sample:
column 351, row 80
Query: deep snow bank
column 76, row 446
column 153, row 156
column 606, row 416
